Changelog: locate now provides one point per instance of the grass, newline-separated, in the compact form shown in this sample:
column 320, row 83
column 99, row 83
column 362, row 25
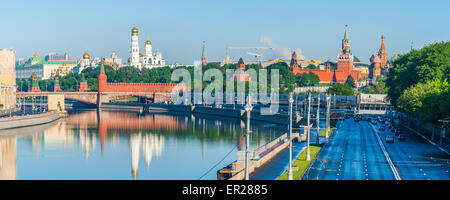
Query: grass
column 301, row 163
column 322, row 133
column 126, row 99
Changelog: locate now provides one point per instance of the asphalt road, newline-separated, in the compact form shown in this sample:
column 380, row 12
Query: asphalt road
column 358, row 151
column 416, row 158
column 352, row 153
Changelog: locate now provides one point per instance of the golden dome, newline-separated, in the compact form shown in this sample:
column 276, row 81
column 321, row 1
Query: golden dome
column 140, row 54
column 134, row 31
column 148, row 42
column 86, row 56
column 36, row 55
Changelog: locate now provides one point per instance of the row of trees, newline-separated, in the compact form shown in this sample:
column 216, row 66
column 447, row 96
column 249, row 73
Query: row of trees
column 288, row 80
column 418, row 82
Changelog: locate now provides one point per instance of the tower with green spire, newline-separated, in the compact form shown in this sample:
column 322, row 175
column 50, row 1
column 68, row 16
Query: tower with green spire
column 56, row 87
column 83, row 84
column 346, row 43
column 34, row 83
column 204, row 59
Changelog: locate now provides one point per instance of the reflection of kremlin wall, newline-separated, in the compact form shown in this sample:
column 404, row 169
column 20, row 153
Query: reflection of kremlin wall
column 125, row 121
column 8, row 158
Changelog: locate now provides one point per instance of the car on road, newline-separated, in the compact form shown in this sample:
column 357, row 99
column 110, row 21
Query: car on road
column 382, row 128
column 397, row 131
column 374, row 122
column 401, row 137
column 389, row 139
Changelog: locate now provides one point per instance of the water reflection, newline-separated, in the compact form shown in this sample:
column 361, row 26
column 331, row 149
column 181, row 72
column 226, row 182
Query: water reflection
column 108, row 145
column 8, row 159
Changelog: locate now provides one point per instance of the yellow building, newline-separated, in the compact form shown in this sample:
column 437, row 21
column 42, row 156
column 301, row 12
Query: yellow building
column 7, row 79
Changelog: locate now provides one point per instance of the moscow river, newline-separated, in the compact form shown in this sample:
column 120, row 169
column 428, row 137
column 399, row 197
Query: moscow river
column 125, row 145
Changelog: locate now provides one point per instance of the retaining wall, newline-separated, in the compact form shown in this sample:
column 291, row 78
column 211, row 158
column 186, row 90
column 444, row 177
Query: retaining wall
column 29, row 120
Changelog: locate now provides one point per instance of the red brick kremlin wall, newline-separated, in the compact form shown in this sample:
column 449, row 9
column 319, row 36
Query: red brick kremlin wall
column 104, row 86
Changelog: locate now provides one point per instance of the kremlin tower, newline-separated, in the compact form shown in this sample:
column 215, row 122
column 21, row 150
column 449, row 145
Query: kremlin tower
column 34, row 83
column 204, row 59
column 345, row 59
column 56, row 87
column 294, row 62
column 102, row 78
column 83, row 84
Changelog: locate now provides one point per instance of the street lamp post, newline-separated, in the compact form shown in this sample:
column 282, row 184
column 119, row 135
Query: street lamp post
column 328, row 116
column 248, row 109
column 318, row 120
column 290, row 137
column 308, row 157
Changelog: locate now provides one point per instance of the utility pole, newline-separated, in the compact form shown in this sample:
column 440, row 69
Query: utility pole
column 328, row 116
column 318, row 119
column 290, row 137
column 248, row 109
column 308, row 157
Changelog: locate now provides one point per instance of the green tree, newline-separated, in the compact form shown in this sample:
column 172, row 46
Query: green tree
column 426, row 101
column 418, row 82
column 378, row 88
column 418, row 66
column 350, row 81
column 341, row 89
column 311, row 66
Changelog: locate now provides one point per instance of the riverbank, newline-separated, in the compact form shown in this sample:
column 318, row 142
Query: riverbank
column 28, row 120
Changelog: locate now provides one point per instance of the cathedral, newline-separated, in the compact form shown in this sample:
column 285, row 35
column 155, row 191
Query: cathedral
column 147, row 60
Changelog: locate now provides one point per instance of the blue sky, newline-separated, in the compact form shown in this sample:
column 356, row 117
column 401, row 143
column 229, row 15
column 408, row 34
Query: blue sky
column 178, row 28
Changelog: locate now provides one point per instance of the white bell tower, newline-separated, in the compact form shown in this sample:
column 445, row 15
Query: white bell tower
column 135, row 61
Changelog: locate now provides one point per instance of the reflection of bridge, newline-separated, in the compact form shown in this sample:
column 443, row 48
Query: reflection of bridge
column 159, row 92
column 86, row 97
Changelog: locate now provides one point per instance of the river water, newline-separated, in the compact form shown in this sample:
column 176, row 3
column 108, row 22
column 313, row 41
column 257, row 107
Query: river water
column 125, row 145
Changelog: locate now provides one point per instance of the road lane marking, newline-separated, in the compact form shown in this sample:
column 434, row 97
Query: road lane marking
column 386, row 155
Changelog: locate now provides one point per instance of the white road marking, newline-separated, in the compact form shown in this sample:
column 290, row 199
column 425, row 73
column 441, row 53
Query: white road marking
column 386, row 155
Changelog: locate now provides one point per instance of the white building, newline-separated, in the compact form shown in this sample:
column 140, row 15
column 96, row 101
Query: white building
column 147, row 60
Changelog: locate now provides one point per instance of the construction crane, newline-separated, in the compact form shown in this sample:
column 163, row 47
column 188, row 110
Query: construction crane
column 258, row 56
